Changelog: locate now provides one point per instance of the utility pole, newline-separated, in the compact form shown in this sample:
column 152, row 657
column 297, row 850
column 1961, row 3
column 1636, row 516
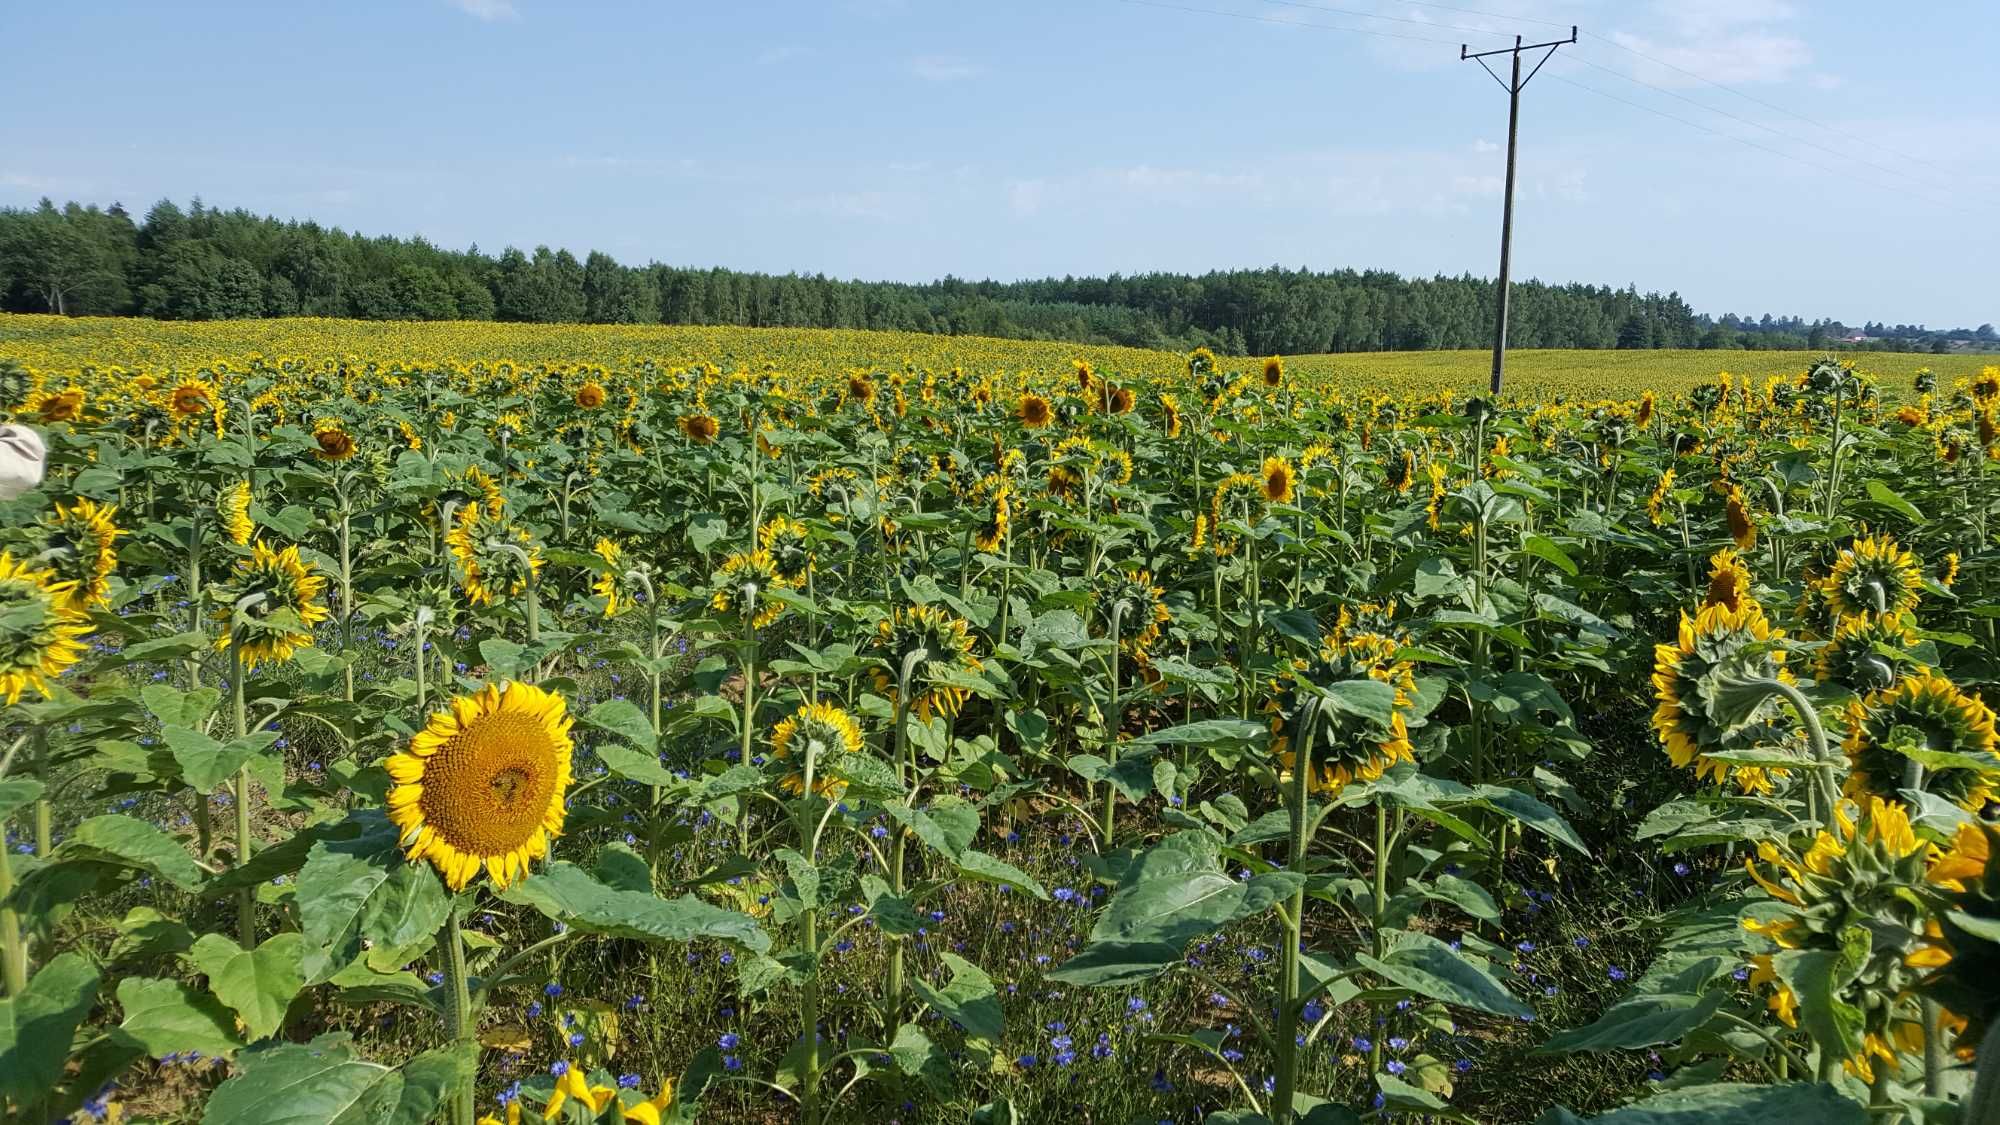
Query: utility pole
column 1513, row 88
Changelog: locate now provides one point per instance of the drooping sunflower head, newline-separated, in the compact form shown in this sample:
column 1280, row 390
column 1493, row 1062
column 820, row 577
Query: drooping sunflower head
column 269, row 606
column 1342, row 747
column 861, row 388
column 1960, row 944
column 39, row 635
column 1742, row 524
column 1034, row 411
column 1170, row 415
column 740, row 583
column 1402, row 471
column 1644, row 415
column 790, row 548
column 590, row 395
column 332, row 441
column 700, row 429
column 232, row 507
column 935, row 646
column 816, row 732
column 1274, row 371
column 1875, row 575
column 496, row 561
column 1717, row 641
column 1144, row 609
column 1656, row 504
column 1728, row 581
column 1279, row 480
column 1869, row 652
column 990, row 533
column 1927, row 720
column 1434, row 507
column 483, row 784
column 609, row 583
column 82, row 540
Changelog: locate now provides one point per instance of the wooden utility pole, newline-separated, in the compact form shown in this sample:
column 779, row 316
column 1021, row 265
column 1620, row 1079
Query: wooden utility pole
column 1513, row 86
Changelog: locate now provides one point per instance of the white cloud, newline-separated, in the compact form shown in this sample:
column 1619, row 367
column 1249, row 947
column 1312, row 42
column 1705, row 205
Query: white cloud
column 944, row 68
column 488, row 10
column 1483, row 146
column 772, row 56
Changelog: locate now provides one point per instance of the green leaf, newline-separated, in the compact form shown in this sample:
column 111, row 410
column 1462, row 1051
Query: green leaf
column 1639, row 1021
column 988, row 869
column 1530, row 811
column 623, row 718
column 326, row 1083
column 18, row 793
column 145, row 932
column 704, row 529
column 1371, row 700
column 176, row 708
column 259, row 984
column 36, row 1027
column 1817, row 977
column 1888, row 497
column 1428, row 967
column 1111, row 964
column 1729, row 1104
column 628, row 763
column 1546, row 549
column 968, row 999
column 334, row 887
column 891, row 913
column 1207, row 732
column 130, row 842
column 162, row 1016
column 504, row 658
column 567, row 893
column 207, row 764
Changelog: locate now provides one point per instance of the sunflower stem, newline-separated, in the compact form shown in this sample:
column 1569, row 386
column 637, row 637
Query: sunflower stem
column 1110, row 721
column 458, row 1015
column 246, row 899
column 1283, row 1040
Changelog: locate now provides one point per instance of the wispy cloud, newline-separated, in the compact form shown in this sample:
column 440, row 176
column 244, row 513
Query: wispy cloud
column 1729, row 41
column 945, row 68
column 491, row 11
column 772, row 56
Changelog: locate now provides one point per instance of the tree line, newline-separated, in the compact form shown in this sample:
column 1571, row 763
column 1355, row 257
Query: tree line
column 204, row 263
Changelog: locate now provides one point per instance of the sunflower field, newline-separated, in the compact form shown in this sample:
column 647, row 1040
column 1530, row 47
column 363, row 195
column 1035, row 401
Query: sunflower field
column 1030, row 736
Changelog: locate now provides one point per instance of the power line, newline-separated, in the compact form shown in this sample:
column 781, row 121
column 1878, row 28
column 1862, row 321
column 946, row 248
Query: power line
column 1392, row 19
column 1766, row 104
column 1287, row 23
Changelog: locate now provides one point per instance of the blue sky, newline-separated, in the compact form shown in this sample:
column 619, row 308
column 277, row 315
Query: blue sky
column 908, row 139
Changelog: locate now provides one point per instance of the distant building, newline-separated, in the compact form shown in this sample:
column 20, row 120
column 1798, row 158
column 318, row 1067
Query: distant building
column 1856, row 338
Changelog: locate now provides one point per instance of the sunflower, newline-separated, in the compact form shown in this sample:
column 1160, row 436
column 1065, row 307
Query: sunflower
column 1742, row 525
column 84, row 541
column 609, row 582
column 785, row 541
column 1715, row 638
column 991, row 532
column 753, row 569
column 699, row 428
column 1656, row 504
column 1280, row 482
column 333, row 441
column 39, row 637
column 1346, row 748
column 1034, row 411
column 1948, row 573
column 1644, row 416
column 1875, row 574
column 1145, row 610
column 1274, row 371
column 270, row 628
column 1434, row 510
column 1869, row 651
column 233, row 506
column 495, row 560
column 935, row 646
column 65, row 405
column 590, row 396
column 475, row 487
column 1402, row 472
column 861, row 389
column 653, row 1110
column 816, row 731
column 191, row 398
column 1170, row 415
column 1923, row 718
column 1728, row 581
column 483, row 784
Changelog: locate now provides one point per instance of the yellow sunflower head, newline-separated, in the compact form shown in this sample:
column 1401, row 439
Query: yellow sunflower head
column 786, row 541
column 1034, row 411
column 332, row 441
column 66, row 405
column 1656, row 504
column 496, row 561
column 815, row 733
column 991, row 531
column 741, row 582
column 1280, row 482
column 590, row 395
column 39, row 635
column 1869, row 652
column 935, row 646
column 1873, row 575
column 1742, row 524
column 1402, row 471
column 1274, row 371
column 1728, row 581
column 700, row 429
column 1170, row 415
column 609, row 583
column 232, row 506
column 1925, row 721
column 269, row 606
column 83, row 551
column 483, row 784
column 191, row 398
column 1345, row 748
column 1717, row 641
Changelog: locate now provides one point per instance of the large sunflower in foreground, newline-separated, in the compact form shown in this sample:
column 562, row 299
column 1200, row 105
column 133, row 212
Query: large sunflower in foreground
column 1924, row 718
column 940, row 645
column 483, row 784
column 273, row 628
column 1345, row 748
column 1683, row 685
column 1876, row 575
column 88, row 543
column 39, row 637
column 819, row 729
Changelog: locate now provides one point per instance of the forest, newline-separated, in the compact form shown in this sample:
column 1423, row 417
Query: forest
column 205, row 263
